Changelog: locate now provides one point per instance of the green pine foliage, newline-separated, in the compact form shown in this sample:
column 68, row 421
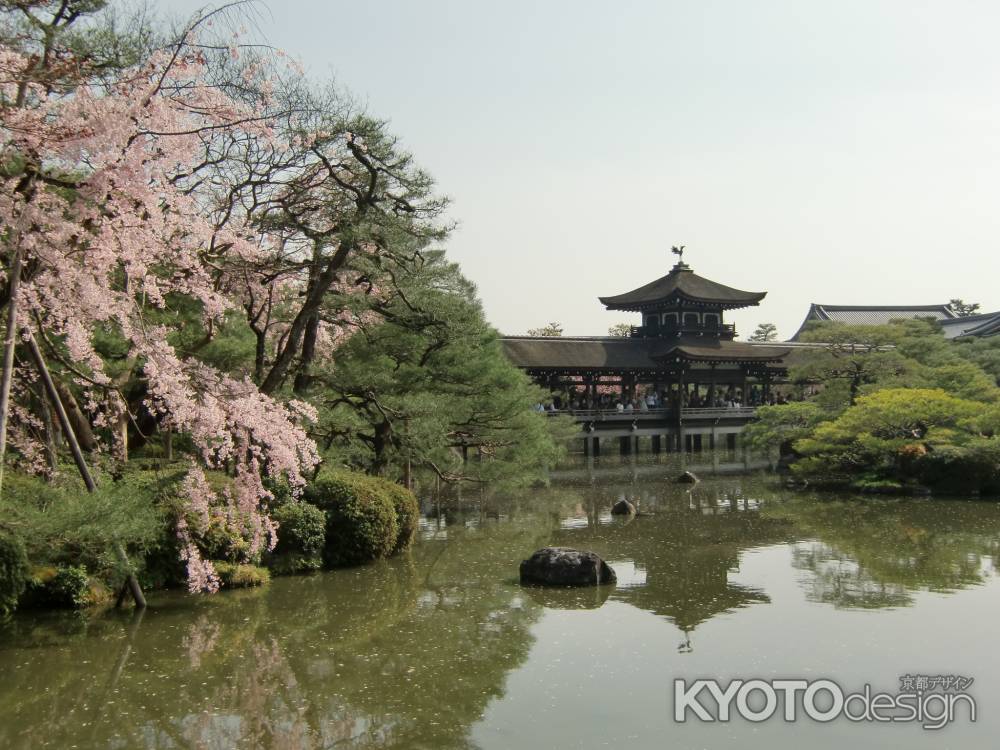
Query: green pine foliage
column 426, row 383
column 897, row 406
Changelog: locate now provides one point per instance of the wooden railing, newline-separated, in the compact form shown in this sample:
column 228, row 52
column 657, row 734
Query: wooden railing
column 725, row 331
column 729, row 412
column 720, row 411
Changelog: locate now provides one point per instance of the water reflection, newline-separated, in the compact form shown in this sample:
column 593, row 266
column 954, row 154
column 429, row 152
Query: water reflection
column 874, row 553
column 686, row 542
column 410, row 653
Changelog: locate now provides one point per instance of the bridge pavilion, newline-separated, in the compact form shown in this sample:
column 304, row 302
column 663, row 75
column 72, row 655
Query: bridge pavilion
column 706, row 380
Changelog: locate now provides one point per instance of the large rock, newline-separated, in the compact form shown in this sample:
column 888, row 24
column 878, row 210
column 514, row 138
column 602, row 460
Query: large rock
column 687, row 478
column 564, row 566
column 623, row 508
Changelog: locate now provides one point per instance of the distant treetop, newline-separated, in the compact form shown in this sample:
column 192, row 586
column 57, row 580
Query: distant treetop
column 963, row 309
column 550, row 330
column 765, row 332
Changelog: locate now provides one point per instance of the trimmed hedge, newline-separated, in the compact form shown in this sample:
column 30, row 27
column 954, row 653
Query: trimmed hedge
column 301, row 536
column 360, row 517
column 238, row 576
column 13, row 571
column 407, row 512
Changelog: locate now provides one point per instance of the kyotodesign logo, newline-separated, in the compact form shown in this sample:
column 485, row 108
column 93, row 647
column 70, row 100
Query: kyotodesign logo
column 933, row 702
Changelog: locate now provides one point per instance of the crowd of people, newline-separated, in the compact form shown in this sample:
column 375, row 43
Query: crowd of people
column 651, row 399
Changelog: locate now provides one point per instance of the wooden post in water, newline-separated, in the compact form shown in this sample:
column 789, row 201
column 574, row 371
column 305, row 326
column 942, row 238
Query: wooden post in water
column 81, row 464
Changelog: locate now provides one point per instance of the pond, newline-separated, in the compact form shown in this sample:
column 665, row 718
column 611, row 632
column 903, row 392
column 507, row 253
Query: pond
column 733, row 578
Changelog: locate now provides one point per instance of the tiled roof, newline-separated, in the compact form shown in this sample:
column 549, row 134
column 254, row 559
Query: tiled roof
column 682, row 283
column 563, row 352
column 703, row 350
column 626, row 353
column 986, row 324
column 872, row 314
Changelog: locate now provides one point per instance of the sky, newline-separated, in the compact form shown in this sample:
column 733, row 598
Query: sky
column 840, row 153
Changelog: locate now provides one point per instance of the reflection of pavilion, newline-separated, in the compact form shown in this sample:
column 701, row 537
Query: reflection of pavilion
column 683, row 351
column 687, row 554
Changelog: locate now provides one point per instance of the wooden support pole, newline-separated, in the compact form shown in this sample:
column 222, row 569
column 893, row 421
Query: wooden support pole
column 81, row 463
column 10, row 342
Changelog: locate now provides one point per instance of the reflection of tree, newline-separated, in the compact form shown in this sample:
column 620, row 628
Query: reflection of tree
column 409, row 652
column 875, row 553
column 837, row 579
column 402, row 654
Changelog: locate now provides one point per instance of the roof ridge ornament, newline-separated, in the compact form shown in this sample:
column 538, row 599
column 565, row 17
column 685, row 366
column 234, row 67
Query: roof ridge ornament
column 679, row 252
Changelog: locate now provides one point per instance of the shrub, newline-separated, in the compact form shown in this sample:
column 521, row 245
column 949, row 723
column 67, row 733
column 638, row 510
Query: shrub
column 225, row 540
column 13, row 571
column 60, row 586
column 360, row 517
column 407, row 512
column 974, row 467
column 240, row 576
column 301, row 535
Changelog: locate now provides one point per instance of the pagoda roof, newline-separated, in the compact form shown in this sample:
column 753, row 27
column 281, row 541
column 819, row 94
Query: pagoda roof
column 629, row 353
column 682, row 283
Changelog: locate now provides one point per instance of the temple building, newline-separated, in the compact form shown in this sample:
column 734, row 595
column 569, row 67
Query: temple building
column 952, row 324
column 706, row 383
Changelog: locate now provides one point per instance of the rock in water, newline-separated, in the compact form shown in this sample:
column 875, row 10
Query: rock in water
column 687, row 478
column 563, row 566
column 623, row 508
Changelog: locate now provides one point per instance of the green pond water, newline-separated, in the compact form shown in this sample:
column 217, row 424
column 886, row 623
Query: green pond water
column 735, row 577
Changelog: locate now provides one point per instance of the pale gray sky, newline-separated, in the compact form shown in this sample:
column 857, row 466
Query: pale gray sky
column 843, row 152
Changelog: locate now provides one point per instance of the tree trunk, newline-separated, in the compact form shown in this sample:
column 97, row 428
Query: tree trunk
column 122, row 430
column 260, row 352
column 310, row 307
column 383, row 438
column 302, row 378
column 51, row 446
column 77, row 419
